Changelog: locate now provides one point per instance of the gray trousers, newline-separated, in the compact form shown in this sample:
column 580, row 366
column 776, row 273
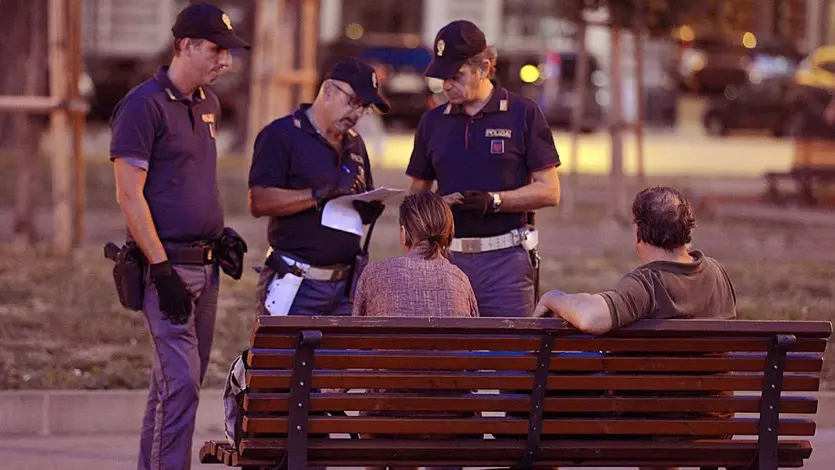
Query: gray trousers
column 181, row 355
column 503, row 281
column 313, row 297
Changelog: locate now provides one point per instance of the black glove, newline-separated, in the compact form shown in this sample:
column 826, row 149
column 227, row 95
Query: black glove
column 369, row 210
column 232, row 247
column 478, row 202
column 340, row 184
column 174, row 298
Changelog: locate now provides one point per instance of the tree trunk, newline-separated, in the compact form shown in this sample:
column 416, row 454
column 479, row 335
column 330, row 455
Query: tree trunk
column 580, row 89
column 25, row 38
column 640, row 99
column 617, row 190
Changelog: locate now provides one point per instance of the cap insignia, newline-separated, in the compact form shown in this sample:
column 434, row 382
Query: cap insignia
column 226, row 21
column 441, row 46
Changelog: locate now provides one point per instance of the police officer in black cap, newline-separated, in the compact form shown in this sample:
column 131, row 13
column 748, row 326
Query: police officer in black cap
column 165, row 163
column 301, row 162
column 493, row 156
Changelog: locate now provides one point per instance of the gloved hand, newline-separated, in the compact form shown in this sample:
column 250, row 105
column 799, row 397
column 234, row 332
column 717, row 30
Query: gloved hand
column 232, row 248
column 174, row 298
column 340, row 184
column 369, row 210
column 478, row 202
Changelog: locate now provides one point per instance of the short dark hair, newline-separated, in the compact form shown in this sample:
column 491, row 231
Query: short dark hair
column 664, row 217
column 428, row 222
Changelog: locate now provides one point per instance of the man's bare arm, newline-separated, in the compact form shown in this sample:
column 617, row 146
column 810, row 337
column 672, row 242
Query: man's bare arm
column 130, row 183
column 543, row 191
column 588, row 313
column 278, row 202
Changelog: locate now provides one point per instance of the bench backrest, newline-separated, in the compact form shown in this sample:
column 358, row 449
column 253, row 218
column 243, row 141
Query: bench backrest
column 651, row 379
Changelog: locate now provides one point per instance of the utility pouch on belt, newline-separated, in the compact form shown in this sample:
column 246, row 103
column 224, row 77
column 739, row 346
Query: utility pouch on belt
column 127, row 274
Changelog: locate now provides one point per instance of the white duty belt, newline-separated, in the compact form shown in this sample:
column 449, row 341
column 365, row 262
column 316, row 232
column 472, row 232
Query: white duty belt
column 523, row 236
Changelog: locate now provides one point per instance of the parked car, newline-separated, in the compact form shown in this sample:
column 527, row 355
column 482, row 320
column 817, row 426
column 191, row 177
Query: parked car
column 764, row 106
column 549, row 79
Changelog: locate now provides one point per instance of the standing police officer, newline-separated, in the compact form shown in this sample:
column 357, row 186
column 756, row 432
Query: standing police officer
column 493, row 156
column 165, row 158
column 300, row 162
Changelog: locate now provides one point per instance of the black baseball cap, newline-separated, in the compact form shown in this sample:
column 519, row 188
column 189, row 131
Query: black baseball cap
column 206, row 21
column 455, row 43
column 362, row 78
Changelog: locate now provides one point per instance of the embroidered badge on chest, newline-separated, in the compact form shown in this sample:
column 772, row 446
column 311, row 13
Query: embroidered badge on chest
column 496, row 147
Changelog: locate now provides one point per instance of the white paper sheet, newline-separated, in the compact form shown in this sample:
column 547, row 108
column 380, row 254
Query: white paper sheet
column 339, row 213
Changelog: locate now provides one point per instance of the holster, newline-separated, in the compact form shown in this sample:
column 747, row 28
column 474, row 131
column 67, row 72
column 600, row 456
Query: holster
column 535, row 259
column 127, row 274
column 360, row 262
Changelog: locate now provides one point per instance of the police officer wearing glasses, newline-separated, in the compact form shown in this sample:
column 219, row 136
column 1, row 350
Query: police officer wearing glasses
column 300, row 162
column 165, row 164
column 493, row 157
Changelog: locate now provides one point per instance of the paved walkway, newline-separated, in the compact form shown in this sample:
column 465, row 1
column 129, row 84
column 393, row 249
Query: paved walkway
column 118, row 452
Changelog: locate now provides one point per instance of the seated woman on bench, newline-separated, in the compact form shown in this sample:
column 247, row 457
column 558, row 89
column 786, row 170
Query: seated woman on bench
column 422, row 282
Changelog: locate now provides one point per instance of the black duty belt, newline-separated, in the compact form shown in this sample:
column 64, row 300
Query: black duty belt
column 200, row 253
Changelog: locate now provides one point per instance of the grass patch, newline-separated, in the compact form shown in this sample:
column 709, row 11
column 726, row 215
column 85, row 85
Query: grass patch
column 61, row 325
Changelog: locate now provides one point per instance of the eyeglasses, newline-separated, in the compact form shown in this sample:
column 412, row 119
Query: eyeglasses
column 354, row 101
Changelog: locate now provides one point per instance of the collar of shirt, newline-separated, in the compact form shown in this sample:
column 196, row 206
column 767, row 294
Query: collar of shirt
column 498, row 103
column 301, row 121
column 173, row 93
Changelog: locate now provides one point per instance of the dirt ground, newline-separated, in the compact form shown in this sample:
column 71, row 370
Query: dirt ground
column 61, row 325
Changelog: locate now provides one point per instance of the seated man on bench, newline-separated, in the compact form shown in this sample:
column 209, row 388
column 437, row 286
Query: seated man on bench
column 673, row 281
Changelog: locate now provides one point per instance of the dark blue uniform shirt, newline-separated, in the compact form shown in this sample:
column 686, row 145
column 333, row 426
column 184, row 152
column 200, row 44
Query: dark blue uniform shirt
column 172, row 136
column 291, row 154
column 495, row 150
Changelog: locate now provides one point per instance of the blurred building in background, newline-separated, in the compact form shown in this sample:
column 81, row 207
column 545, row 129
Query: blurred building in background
column 723, row 42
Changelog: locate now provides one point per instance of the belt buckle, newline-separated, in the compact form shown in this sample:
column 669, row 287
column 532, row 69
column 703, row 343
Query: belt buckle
column 471, row 245
column 208, row 254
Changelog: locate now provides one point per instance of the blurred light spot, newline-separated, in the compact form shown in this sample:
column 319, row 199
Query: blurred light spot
column 686, row 33
column 598, row 78
column 354, row 31
column 529, row 73
column 602, row 97
column 749, row 40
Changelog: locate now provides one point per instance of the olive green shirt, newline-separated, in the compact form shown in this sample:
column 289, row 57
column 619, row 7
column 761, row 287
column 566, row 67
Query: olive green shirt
column 667, row 289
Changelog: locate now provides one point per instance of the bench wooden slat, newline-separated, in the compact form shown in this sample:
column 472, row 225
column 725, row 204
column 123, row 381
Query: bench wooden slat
column 280, row 379
column 518, row 426
column 502, row 452
column 207, row 453
column 520, row 342
column 440, row 360
column 482, row 325
column 279, row 402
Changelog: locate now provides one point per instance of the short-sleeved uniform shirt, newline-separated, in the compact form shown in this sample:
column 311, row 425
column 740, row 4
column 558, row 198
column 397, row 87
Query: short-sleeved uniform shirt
column 291, row 154
column 495, row 150
column 172, row 137
column 666, row 290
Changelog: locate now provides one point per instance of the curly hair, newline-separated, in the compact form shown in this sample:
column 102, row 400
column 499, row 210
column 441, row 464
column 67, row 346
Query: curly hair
column 664, row 217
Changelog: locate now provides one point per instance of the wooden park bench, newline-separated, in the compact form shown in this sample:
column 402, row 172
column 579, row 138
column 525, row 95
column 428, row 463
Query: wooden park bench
column 812, row 172
column 523, row 395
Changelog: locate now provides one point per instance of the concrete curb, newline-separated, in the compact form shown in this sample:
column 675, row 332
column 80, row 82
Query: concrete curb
column 75, row 412
column 79, row 412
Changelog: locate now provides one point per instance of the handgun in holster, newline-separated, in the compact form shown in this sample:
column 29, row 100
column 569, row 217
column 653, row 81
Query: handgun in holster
column 535, row 259
column 127, row 273
column 360, row 262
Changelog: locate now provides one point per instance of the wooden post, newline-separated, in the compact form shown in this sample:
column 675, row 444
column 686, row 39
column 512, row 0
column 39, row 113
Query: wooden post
column 309, row 21
column 617, row 191
column 258, row 68
column 284, row 51
column 60, row 156
column 77, row 114
column 580, row 90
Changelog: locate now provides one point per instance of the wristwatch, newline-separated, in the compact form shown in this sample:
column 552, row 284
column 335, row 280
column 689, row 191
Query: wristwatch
column 497, row 201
